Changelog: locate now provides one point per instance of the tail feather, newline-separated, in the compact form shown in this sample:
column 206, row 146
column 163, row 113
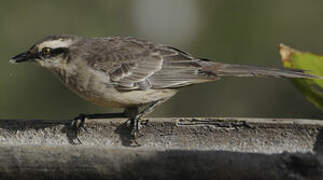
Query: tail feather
column 222, row 70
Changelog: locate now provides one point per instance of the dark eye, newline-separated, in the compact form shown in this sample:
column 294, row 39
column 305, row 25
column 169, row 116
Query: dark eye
column 46, row 51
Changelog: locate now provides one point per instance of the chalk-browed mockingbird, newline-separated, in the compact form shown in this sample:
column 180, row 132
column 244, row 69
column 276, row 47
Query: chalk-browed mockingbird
column 129, row 73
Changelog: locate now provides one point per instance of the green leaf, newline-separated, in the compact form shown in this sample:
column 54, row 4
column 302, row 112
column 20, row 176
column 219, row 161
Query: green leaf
column 312, row 64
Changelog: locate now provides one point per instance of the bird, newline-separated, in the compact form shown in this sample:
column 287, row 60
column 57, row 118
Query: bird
column 130, row 73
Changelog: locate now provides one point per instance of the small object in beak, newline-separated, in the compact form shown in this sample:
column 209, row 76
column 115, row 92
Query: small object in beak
column 26, row 56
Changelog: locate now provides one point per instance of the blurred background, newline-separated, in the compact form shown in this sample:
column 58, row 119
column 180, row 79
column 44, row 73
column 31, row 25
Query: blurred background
column 235, row 31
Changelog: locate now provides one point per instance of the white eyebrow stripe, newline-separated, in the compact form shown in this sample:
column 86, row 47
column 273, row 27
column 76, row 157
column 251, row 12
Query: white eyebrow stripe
column 59, row 43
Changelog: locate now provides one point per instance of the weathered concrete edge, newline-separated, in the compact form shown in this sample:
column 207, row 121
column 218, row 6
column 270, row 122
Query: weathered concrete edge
column 253, row 120
column 172, row 148
column 207, row 133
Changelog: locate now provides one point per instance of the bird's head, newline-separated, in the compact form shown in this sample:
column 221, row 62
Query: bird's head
column 50, row 52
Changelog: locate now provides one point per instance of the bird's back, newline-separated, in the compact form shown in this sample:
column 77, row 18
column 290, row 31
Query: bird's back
column 133, row 64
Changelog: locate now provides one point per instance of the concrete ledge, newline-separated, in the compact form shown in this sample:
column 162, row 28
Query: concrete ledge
column 171, row 148
column 231, row 134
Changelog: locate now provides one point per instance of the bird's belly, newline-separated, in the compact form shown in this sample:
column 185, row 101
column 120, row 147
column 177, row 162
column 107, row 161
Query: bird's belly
column 114, row 98
column 101, row 94
column 93, row 86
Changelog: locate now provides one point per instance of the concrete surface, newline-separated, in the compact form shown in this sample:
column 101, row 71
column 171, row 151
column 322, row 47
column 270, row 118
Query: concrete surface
column 171, row 148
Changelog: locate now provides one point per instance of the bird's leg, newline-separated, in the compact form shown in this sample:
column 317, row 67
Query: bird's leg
column 102, row 116
column 79, row 121
column 135, row 120
column 131, row 113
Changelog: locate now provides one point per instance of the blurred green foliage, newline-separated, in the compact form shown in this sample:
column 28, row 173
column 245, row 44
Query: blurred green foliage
column 234, row 31
column 313, row 64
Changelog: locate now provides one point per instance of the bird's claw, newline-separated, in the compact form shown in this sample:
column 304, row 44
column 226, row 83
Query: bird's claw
column 79, row 123
column 135, row 133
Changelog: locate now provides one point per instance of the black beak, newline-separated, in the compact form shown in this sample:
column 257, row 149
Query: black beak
column 25, row 56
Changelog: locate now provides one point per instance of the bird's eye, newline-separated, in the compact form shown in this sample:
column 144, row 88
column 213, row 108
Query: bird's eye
column 46, row 51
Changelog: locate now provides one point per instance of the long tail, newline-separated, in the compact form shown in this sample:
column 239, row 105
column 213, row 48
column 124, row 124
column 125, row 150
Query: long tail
column 222, row 69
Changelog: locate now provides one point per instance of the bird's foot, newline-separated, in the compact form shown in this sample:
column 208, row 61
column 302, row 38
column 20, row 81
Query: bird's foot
column 135, row 133
column 75, row 127
column 134, row 128
column 79, row 123
column 134, row 136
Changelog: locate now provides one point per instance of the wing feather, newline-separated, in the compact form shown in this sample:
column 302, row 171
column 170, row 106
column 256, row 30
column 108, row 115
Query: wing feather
column 136, row 64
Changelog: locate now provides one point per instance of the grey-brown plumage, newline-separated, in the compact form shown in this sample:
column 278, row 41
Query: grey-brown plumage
column 131, row 73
